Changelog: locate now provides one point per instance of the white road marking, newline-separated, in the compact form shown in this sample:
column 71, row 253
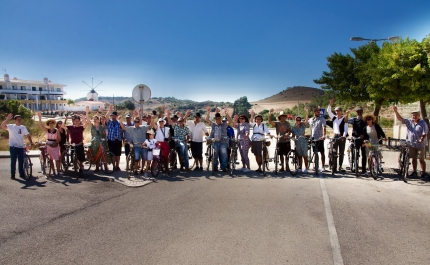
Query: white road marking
column 335, row 246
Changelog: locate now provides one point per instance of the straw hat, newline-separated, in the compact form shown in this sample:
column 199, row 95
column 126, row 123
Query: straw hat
column 281, row 114
column 151, row 131
column 370, row 115
column 50, row 120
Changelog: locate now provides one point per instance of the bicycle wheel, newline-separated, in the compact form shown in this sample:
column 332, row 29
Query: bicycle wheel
column 333, row 160
column 351, row 158
column 356, row 157
column 208, row 157
column 292, row 163
column 155, row 167
column 276, row 161
column 42, row 167
column 213, row 161
column 172, row 159
column 107, row 162
column 28, row 168
column 191, row 160
column 165, row 165
column 374, row 167
column 48, row 165
column 401, row 163
column 406, row 167
column 87, row 163
column 66, row 161
column 232, row 162
column 129, row 168
column 316, row 162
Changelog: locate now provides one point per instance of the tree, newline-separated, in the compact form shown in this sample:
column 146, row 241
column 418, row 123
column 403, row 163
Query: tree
column 400, row 72
column 128, row 104
column 70, row 101
column 241, row 106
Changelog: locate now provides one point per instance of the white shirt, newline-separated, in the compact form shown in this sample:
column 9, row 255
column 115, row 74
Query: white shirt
column 258, row 131
column 151, row 143
column 16, row 135
column 337, row 122
column 162, row 133
column 197, row 131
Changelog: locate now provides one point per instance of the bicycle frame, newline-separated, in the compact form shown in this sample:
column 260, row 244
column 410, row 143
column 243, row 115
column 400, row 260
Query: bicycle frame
column 353, row 154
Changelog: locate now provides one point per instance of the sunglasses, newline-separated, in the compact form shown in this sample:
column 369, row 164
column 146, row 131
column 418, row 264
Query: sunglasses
column 298, row 120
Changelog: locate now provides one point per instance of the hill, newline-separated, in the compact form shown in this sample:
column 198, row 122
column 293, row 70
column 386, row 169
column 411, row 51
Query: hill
column 287, row 98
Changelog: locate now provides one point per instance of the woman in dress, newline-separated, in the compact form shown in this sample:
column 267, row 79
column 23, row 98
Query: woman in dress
column 372, row 132
column 97, row 133
column 242, row 126
column 52, row 144
column 298, row 131
column 63, row 139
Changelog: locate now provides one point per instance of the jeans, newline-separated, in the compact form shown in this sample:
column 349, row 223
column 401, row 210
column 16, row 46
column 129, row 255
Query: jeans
column 14, row 153
column 340, row 146
column 220, row 152
column 183, row 152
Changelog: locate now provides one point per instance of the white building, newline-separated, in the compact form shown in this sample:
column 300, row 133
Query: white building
column 35, row 95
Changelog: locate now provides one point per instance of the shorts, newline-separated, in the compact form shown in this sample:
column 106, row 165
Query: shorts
column 80, row 153
column 257, row 148
column 320, row 145
column 141, row 153
column 284, row 148
column 197, row 150
column 415, row 153
column 115, row 147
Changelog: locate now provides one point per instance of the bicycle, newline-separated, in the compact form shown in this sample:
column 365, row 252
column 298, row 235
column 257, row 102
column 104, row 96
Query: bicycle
column 403, row 160
column 265, row 156
column 313, row 153
column 208, row 153
column 103, row 158
column 332, row 154
column 73, row 158
column 159, row 162
column 175, row 152
column 190, row 157
column 234, row 144
column 293, row 159
column 275, row 157
column 43, row 157
column 28, row 166
column 353, row 154
column 129, row 168
column 375, row 159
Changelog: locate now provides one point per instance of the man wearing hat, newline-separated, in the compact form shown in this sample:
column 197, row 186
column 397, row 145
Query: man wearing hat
column 417, row 131
column 358, row 126
column 17, row 132
column 127, row 136
column 197, row 130
column 115, row 129
column 318, row 131
column 283, row 129
column 219, row 132
column 340, row 129
column 182, row 133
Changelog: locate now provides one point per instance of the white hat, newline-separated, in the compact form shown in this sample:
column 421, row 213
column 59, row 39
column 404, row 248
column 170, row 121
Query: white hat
column 161, row 119
column 151, row 131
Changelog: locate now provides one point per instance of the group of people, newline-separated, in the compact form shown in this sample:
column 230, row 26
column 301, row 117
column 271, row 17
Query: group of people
column 158, row 131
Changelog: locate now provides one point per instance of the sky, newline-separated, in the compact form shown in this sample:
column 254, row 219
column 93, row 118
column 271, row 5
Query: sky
column 193, row 49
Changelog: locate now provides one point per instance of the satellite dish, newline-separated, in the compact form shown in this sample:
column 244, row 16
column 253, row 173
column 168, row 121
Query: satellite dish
column 141, row 93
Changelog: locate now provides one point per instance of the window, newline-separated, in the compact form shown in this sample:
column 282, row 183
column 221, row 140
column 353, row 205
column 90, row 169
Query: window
column 13, row 87
column 42, row 97
column 58, row 89
column 23, row 88
column 1, row 87
column 33, row 88
column 40, row 89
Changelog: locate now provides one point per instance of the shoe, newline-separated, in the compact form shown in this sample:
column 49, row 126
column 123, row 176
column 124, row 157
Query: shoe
column 201, row 169
column 341, row 169
column 305, row 171
column 80, row 171
column 135, row 172
column 141, row 171
column 314, row 169
column 145, row 175
column 117, row 169
column 246, row 170
column 96, row 170
column 187, row 170
column 322, row 169
column 197, row 169
column 258, row 170
column 299, row 170
column 282, row 169
column 224, row 170
column 12, row 177
column 242, row 169
column 413, row 175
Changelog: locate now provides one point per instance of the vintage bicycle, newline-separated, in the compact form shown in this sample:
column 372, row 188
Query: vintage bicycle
column 44, row 157
column 27, row 164
column 265, row 159
column 104, row 158
column 332, row 154
column 159, row 162
column 403, row 159
column 293, row 159
column 313, row 154
column 353, row 154
column 74, row 163
column 233, row 146
column 375, row 159
column 174, row 153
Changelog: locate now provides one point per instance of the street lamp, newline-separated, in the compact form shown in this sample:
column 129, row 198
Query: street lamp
column 375, row 40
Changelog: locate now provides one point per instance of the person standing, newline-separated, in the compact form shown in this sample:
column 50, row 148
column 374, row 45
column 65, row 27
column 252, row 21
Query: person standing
column 340, row 129
column 63, row 139
column 219, row 133
column 76, row 133
column 162, row 135
column 182, row 133
column 115, row 135
column 259, row 130
column 197, row 130
column 97, row 133
column 417, row 131
column 17, row 132
column 150, row 144
column 283, row 129
column 127, row 137
column 358, row 125
column 242, row 126
column 318, row 132
column 298, row 131
column 372, row 132
column 52, row 145
column 138, row 135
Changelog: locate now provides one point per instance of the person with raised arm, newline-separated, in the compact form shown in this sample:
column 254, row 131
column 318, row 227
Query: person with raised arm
column 298, row 131
column 219, row 133
column 283, row 129
column 138, row 137
column 417, row 131
column 340, row 129
column 52, row 144
column 182, row 133
column 17, row 131
column 98, row 133
column 76, row 134
column 162, row 135
column 318, row 132
column 198, row 130
column 115, row 135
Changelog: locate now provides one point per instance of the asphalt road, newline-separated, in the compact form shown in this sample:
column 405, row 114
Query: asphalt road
column 201, row 219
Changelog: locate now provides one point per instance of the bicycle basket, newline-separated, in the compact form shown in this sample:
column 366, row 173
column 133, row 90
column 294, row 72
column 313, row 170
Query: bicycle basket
column 156, row 152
